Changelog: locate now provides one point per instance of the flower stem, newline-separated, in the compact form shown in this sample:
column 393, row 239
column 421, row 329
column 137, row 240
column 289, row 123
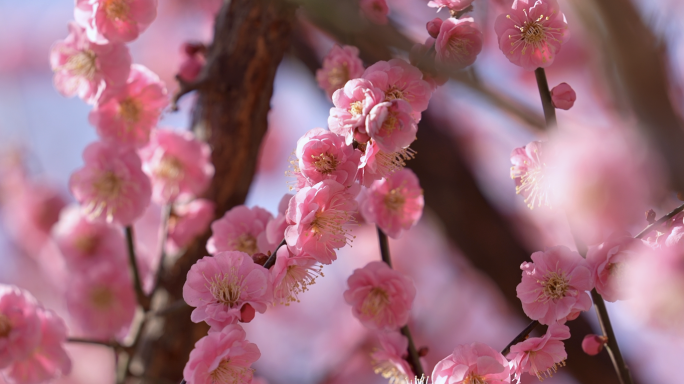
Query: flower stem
column 166, row 215
column 110, row 344
column 521, row 336
column 663, row 219
column 413, row 357
column 143, row 300
column 272, row 259
column 549, row 109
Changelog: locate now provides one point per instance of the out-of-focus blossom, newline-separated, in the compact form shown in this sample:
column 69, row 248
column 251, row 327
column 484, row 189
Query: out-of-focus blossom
column 292, row 276
column 391, row 125
column 667, row 233
column 85, row 68
column 48, row 360
column 400, row 80
column 116, row 21
column 84, row 244
column 339, row 66
column 458, row 43
column 352, row 103
column 433, row 27
column 375, row 10
column 531, row 33
column 608, row 262
column 178, row 165
column 187, row 221
column 452, row 5
column 563, row 96
column 376, row 163
column 593, row 344
column 259, row 380
column 19, row 325
column 193, row 61
column 423, row 57
column 395, row 203
column 111, row 185
column 240, row 229
column 220, row 286
column 324, row 155
column 554, row 285
column 380, row 297
column 127, row 114
column 390, row 359
column 102, row 301
column 540, row 356
column 222, row 357
column 471, row 364
column 275, row 229
column 316, row 220
column 530, row 172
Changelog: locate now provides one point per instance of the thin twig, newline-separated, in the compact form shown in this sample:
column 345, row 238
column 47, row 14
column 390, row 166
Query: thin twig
column 660, row 221
column 272, row 259
column 171, row 308
column 109, row 344
column 166, row 214
column 521, row 336
column 143, row 300
column 545, row 94
column 185, row 88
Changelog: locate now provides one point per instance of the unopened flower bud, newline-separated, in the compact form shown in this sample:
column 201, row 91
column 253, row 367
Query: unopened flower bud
column 593, row 344
column 563, row 96
column 433, row 26
column 247, row 313
column 650, row 216
column 260, row 258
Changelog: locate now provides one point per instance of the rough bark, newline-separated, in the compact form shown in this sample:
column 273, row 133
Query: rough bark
column 235, row 89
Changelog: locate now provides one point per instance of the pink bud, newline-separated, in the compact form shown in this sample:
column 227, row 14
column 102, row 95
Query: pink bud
column 433, row 26
column 563, row 96
column 593, row 344
column 247, row 313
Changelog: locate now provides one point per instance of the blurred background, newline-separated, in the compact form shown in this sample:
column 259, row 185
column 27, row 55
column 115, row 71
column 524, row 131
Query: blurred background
column 465, row 253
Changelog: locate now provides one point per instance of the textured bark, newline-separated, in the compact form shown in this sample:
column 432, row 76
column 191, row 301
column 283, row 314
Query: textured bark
column 235, row 90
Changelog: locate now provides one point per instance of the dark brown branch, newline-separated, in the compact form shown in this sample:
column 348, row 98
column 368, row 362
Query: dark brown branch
column 272, row 258
column 660, row 221
column 521, row 336
column 143, row 300
column 545, row 94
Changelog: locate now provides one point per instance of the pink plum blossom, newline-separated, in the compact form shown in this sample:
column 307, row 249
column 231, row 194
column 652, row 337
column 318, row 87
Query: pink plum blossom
column 608, row 262
column 458, row 43
column 540, row 356
column 433, row 27
column 531, row 33
column 222, row 357
column 452, row 5
column 85, row 68
column 470, row 364
column 563, row 96
column 324, row 155
column 116, row 21
column 667, row 233
column 316, row 219
column 84, row 244
column 395, row 203
column 102, row 302
column 19, row 324
column 375, row 10
column 48, row 360
column 220, row 286
column 275, row 229
column 380, row 297
column 352, row 103
column 391, row 125
column 241, row 229
column 178, row 165
column 400, row 80
column 112, row 184
column 292, row 275
column 390, row 359
column 127, row 114
column 340, row 65
column 554, row 285
column 376, row 163
column 188, row 221
column 593, row 344
column 530, row 172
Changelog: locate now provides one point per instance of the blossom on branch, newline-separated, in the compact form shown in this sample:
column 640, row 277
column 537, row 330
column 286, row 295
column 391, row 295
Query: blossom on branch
column 400, row 80
column 292, row 275
column 376, row 163
column 116, row 21
column 390, row 359
column 471, row 364
column 324, row 155
column 563, row 96
column 19, row 324
column 241, row 229
column 458, row 43
column 375, row 10
column 609, row 262
column 531, row 174
column 352, row 105
column 391, row 125
column 187, row 221
column 540, row 356
column 340, row 65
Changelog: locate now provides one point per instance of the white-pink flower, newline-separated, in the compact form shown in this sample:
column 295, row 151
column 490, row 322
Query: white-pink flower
column 222, row 357
column 390, row 359
column 532, row 33
column 452, row 5
column 127, row 114
column 395, row 203
column 400, row 80
column 19, row 324
column 554, row 285
column 220, row 286
column 188, row 221
column 376, row 163
column 317, row 217
column 563, row 96
column 352, row 103
column 608, row 262
column 324, row 155
column 472, row 364
column 458, row 43
column 241, row 229
column 375, row 10
column 84, row 68
column 117, row 21
column 292, row 275
column 340, row 65
column 178, row 165
column 111, row 185
column 531, row 174
column 380, row 297
column 540, row 356
column 391, row 125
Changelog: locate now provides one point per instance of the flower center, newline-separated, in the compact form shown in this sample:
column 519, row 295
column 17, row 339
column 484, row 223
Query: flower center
column 5, row 326
column 474, row 379
column 356, row 108
column 390, row 123
column 109, row 185
column 391, row 162
column 546, row 373
column 375, row 302
column 226, row 287
column 226, row 373
column 331, row 222
column 245, row 243
column 116, row 9
column 130, row 110
column 169, row 168
column 533, row 183
column 297, row 280
column 82, row 64
column 394, row 200
column 615, row 269
column 102, row 298
column 325, row 163
column 87, row 244
column 555, row 286
column 533, row 32
column 394, row 93
column 338, row 76
column 390, row 371
column 458, row 46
